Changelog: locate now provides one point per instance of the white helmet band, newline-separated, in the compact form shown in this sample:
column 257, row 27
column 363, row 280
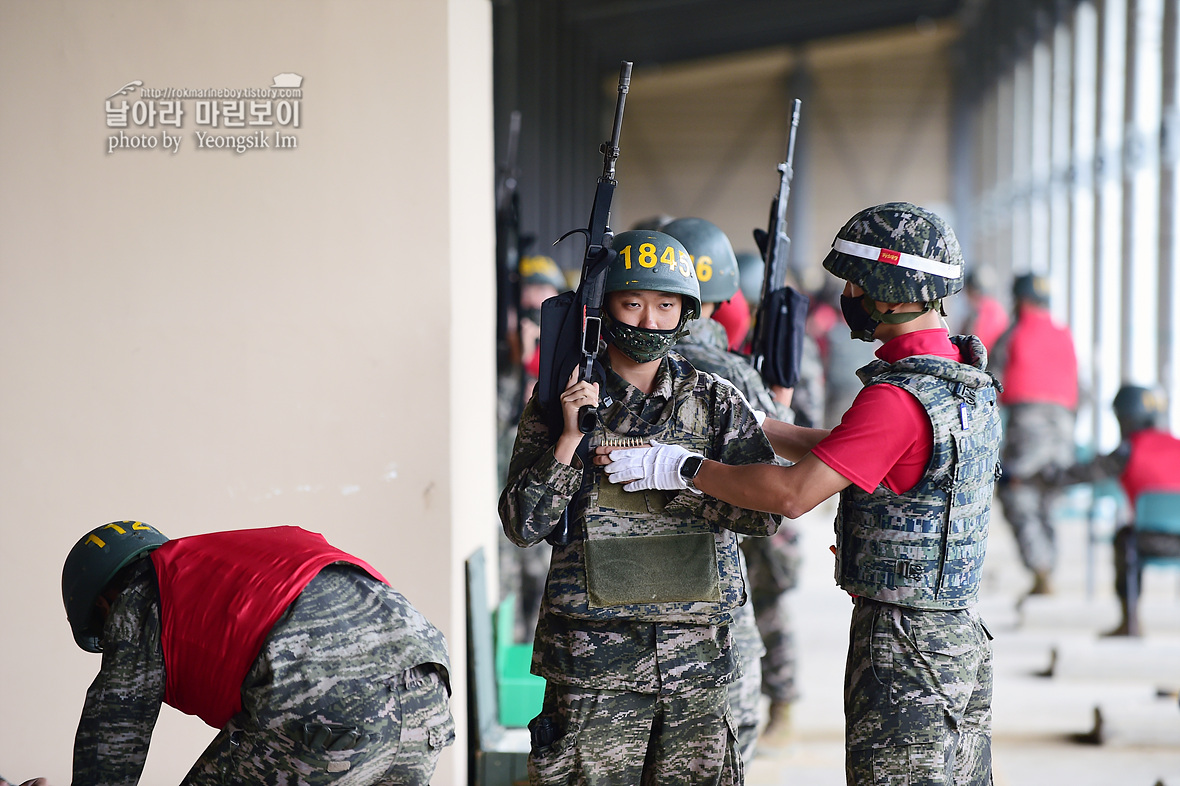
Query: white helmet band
column 891, row 257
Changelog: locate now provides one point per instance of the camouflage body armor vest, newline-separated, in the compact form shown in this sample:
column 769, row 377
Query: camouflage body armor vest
column 643, row 556
column 924, row 549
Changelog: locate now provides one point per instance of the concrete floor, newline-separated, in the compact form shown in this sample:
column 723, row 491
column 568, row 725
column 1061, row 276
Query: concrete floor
column 1052, row 669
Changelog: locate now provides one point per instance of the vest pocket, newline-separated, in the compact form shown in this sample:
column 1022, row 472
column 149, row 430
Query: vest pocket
column 652, row 569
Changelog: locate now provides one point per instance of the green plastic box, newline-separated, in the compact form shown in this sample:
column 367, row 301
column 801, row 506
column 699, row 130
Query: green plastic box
column 519, row 693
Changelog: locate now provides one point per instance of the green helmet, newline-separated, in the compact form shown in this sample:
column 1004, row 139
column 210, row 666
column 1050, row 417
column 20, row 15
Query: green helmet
column 751, row 272
column 898, row 253
column 92, row 563
column 1138, row 408
column 656, row 261
column 711, row 252
column 656, row 222
column 541, row 270
column 1031, row 287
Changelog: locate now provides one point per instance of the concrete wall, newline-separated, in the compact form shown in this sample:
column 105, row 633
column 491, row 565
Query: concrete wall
column 208, row 340
column 704, row 138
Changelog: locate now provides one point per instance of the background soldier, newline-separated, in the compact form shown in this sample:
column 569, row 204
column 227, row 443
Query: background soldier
column 1039, row 370
column 914, row 459
column 310, row 665
column 1147, row 459
column 522, row 571
column 986, row 318
column 634, row 635
column 772, row 562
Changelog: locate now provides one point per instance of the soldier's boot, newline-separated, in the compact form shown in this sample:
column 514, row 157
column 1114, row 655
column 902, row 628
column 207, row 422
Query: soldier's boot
column 1129, row 625
column 1042, row 583
column 778, row 732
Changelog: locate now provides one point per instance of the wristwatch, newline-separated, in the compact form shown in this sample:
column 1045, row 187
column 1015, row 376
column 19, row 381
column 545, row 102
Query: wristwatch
column 689, row 469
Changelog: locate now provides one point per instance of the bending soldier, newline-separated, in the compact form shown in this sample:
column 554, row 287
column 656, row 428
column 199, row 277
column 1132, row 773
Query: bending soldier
column 634, row 634
column 311, row 666
column 913, row 460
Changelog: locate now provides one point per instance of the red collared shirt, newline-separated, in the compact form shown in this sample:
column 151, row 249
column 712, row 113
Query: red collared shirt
column 885, row 437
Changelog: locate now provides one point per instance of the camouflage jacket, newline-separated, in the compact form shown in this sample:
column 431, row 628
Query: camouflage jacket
column 705, row 348
column 925, row 548
column 620, row 654
column 123, row 702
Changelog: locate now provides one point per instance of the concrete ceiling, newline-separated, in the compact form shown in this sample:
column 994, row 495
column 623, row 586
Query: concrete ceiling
column 664, row 31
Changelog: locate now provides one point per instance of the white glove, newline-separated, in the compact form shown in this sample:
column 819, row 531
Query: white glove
column 657, row 467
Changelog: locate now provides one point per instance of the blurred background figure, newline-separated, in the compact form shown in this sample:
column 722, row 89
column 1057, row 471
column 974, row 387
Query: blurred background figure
column 841, row 357
column 522, row 571
column 1039, row 370
column 706, row 347
column 734, row 316
column 985, row 318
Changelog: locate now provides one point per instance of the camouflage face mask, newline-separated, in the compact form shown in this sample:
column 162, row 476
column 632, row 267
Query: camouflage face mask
column 641, row 344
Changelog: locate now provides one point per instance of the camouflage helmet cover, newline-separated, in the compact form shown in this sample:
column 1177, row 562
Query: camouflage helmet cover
column 898, row 252
column 91, row 565
column 712, row 255
column 656, row 261
column 1138, row 408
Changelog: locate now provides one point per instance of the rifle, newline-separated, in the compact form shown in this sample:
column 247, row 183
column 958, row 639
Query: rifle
column 571, row 323
column 780, row 321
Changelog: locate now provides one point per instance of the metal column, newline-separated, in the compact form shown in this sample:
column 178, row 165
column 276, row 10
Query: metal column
column 1141, row 190
column 1169, row 222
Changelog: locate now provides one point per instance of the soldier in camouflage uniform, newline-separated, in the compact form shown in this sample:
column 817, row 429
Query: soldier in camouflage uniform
column 914, row 460
column 634, row 637
column 522, row 571
column 312, row 667
column 771, row 562
column 1146, row 460
column 1039, row 371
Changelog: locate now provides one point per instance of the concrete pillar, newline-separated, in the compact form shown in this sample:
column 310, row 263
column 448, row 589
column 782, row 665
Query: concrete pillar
column 1061, row 56
column 1141, row 189
column 1169, row 222
column 1108, row 228
column 206, row 339
column 1084, row 26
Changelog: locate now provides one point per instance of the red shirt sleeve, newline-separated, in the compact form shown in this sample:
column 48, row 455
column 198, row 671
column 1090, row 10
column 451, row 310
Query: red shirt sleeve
column 884, row 437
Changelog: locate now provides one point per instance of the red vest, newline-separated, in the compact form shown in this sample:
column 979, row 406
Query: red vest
column 220, row 594
column 1154, row 464
column 1041, row 367
column 991, row 320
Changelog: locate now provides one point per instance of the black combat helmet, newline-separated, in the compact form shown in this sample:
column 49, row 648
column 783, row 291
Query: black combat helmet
column 91, row 565
column 1138, row 408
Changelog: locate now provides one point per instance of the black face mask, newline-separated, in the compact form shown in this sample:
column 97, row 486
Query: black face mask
column 858, row 318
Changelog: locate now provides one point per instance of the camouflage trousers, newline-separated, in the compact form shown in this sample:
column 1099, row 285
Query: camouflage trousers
column 322, row 703
column 1129, row 546
column 917, row 697
column 624, row 738
column 774, row 567
column 1036, row 436
column 745, row 692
